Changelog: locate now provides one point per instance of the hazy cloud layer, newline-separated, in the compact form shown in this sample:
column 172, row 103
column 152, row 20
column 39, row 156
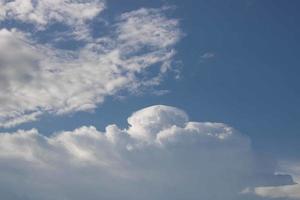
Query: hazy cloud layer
column 38, row 77
column 161, row 155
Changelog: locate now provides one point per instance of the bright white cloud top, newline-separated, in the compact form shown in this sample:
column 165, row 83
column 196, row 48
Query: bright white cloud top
column 38, row 77
column 161, row 155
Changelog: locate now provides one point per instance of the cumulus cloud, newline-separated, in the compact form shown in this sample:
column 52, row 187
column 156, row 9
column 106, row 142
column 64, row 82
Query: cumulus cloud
column 38, row 77
column 161, row 155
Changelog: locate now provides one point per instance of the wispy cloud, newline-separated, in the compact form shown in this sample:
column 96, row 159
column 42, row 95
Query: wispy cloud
column 208, row 55
column 39, row 77
column 42, row 13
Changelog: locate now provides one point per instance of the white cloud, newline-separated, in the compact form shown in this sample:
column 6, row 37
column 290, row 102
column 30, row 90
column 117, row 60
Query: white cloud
column 38, row 78
column 208, row 55
column 43, row 12
column 146, row 123
column 287, row 191
column 157, row 32
column 161, row 155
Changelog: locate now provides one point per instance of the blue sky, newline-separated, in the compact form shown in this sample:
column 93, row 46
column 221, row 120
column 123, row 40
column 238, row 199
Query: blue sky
column 236, row 62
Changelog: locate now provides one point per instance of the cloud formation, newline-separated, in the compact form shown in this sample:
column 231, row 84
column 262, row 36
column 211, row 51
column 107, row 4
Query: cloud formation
column 208, row 55
column 43, row 12
column 161, row 155
column 39, row 77
column 284, row 192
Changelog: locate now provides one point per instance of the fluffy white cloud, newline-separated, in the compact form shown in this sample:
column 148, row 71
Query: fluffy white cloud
column 146, row 123
column 161, row 155
column 38, row 77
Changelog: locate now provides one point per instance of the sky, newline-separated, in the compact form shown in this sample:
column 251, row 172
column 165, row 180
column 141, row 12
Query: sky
column 174, row 99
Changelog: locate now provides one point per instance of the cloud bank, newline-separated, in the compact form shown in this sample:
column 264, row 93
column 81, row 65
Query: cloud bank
column 160, row 155
column 38, row 76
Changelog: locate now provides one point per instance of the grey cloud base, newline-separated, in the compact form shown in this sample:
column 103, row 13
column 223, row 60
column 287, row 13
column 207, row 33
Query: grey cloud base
column 161, row 155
